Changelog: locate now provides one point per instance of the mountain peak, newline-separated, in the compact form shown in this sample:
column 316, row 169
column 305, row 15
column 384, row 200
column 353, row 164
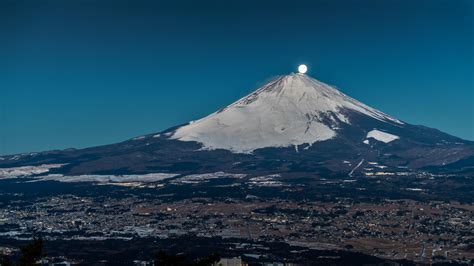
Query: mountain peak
column 288, row 111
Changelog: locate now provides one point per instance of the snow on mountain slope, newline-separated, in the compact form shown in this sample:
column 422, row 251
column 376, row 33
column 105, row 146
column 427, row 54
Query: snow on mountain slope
column 289, row 111
column 382, row 136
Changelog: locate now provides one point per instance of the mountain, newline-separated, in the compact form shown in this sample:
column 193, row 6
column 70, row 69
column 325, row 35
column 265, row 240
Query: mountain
column 291, row 110
column 294, row 124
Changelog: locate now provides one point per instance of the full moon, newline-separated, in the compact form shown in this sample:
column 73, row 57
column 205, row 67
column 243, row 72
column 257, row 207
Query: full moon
column 302, row 69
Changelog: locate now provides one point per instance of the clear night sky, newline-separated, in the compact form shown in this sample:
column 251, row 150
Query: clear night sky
column 82, row 73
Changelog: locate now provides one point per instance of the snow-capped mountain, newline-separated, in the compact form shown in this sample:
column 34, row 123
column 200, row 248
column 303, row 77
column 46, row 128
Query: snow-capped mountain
column 291, row 110
column 294, row 125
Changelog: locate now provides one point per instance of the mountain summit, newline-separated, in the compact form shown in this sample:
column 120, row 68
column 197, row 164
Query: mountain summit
column 290, row 110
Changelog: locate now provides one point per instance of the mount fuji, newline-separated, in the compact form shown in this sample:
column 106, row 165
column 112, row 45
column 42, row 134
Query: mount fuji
column 292, row 125
column 291, row 110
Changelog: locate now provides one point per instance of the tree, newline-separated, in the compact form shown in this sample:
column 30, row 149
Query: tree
column 31, row 252
column 5, row 261
column 164, row 259
column 208, row 261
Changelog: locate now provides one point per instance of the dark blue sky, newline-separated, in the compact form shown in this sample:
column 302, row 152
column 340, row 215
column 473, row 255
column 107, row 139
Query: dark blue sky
column 81, row 73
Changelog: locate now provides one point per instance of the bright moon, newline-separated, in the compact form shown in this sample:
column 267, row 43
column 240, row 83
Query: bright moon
column 302, row 69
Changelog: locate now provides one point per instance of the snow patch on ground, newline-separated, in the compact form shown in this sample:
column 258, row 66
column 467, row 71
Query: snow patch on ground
column 355, row 168
column 146, row 178
column 200, row 178
column 39, row 174
column 382, row 136
column 266, row 181
column 23, row 171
